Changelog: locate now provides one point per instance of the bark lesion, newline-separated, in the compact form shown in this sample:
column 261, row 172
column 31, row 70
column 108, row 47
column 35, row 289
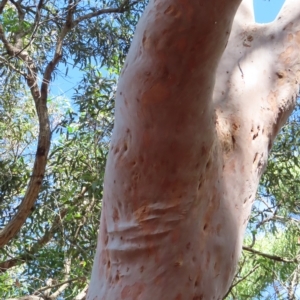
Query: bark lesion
column 227, row 131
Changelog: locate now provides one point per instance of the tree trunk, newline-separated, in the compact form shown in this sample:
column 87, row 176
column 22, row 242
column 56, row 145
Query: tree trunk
column 191, row 139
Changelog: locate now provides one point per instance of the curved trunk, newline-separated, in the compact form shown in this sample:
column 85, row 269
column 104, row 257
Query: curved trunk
column 186, row 155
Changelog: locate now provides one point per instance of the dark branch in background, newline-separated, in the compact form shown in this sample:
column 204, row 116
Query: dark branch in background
column 2, row 4
column 240, row 280
column 121, row 9
column 270, row 256
column 20, row 11
column 58, row 51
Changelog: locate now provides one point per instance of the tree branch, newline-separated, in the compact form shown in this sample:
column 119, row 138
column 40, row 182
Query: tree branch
column 122, row 8
column 19, row 8
column 2, row 5
column 28, row 298
column 82, row 294
column 34, row 26
column 33, row 188
column 4, row 266
column 270, row 256
column 40, row 98
column 19, row 33
column 291, row 9
column 6, row 62
column 84, row 219
column 66, row 283
column 58, row 51
column 58, row 285
column 240, row 280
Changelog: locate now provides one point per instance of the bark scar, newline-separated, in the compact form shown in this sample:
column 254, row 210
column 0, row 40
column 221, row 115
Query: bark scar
column 242, row 73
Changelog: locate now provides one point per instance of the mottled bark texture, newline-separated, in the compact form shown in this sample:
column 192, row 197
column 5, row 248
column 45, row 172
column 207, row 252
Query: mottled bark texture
column 191, row 140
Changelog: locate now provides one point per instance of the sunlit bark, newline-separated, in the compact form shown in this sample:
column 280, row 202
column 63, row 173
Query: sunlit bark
column 191, row 140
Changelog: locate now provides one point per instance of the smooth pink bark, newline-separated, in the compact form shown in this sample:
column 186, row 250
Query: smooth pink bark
column 186, row 155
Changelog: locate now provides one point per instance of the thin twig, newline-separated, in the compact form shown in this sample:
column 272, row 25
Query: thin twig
column 122, row 8
column 6, row 62
column 82, row 278
column 67, row 266
column 240, row 280
column 35, row 26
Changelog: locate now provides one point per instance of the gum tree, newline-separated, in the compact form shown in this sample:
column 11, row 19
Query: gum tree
column 195, row 121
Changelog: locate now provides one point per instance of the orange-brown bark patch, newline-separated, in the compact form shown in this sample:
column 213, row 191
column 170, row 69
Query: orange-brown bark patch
column 178, row 297
column 134, row 291
column 289, row 26
column 115, row 215
column 182, row 44
column 159, row 92
column 173, row 11
column 141, row 213
column 272, row 100
column 285, row 56
column 179, row 260
column 297, row 37
column 175, row 236
column 159, row 279
column 290, row 37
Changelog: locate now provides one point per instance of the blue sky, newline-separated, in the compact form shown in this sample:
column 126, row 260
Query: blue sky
column 265, row 11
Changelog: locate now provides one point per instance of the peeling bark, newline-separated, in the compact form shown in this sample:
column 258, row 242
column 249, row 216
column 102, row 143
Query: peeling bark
column 191, row 140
